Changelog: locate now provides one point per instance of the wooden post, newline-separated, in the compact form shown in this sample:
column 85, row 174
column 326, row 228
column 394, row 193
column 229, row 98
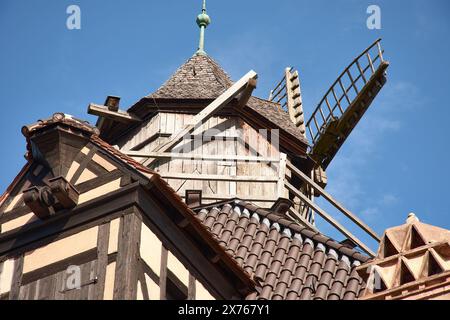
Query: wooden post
column 336, row 204
column 282, row 175
column 191, row 287
column 17, row 278
column 163, row 273
column 330, row 219
column 311, row 194
column 126, row 277
column 102, row 259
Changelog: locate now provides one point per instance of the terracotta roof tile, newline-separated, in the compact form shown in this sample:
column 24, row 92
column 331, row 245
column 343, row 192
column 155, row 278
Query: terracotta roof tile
column 353, row 286
column 327, row 277
column 59, row 118
column 288, row 261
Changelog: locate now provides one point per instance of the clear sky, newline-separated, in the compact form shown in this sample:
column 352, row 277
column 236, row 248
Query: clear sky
column 393, row 163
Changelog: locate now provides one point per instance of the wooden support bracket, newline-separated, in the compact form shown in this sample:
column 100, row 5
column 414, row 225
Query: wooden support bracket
column 247, row 93
column 40, row 201
column 64, row 191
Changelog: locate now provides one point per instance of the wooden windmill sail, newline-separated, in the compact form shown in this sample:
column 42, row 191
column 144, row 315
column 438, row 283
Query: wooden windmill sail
column 341, row 108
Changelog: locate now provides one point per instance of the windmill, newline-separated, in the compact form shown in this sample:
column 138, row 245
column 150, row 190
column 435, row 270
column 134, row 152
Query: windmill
column 242, row 161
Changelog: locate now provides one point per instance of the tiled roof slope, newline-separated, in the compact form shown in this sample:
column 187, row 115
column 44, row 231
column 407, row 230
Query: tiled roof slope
column 272, row 111
column 288, row 261
column 199, row 78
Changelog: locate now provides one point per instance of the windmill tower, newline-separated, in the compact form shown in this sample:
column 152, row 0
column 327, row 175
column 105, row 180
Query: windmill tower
column 203, row 132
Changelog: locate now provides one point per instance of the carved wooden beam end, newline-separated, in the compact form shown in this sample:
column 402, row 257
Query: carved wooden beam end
column 39, row 200
column 65, row 192
column 45, row 201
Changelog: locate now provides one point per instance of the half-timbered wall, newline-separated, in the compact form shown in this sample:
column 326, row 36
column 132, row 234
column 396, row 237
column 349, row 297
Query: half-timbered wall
column 118, row 258
column 163, row 275
column 219, row 179
column 109, row 267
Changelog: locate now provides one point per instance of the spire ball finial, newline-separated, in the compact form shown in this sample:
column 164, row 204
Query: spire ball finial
column 203, row 21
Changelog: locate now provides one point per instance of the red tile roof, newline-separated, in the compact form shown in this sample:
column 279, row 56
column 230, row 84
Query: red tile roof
column 288, row 261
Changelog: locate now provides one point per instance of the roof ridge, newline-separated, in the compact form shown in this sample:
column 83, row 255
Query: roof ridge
column 308, row 232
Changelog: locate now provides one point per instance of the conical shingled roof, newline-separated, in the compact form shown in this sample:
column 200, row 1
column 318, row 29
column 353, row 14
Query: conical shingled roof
column 199, row 78
column 202, row 78
column 287, row 261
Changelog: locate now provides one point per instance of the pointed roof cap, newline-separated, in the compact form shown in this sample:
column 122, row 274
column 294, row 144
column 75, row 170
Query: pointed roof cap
column 199, row 78
column 414, row 230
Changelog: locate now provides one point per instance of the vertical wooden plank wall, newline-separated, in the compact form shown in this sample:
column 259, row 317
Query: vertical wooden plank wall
column 140, row 134
column 225, row 143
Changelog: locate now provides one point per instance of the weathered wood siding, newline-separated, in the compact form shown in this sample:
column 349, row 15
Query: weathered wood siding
column 231, row 136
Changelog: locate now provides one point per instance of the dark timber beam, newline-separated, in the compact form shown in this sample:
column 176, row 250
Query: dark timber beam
column 119, row 116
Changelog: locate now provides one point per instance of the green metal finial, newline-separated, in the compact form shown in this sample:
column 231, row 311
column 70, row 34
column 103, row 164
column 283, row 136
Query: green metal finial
column 203, row 21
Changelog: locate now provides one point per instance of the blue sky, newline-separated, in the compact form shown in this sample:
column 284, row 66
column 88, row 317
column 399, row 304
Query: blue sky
column 393, row 163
